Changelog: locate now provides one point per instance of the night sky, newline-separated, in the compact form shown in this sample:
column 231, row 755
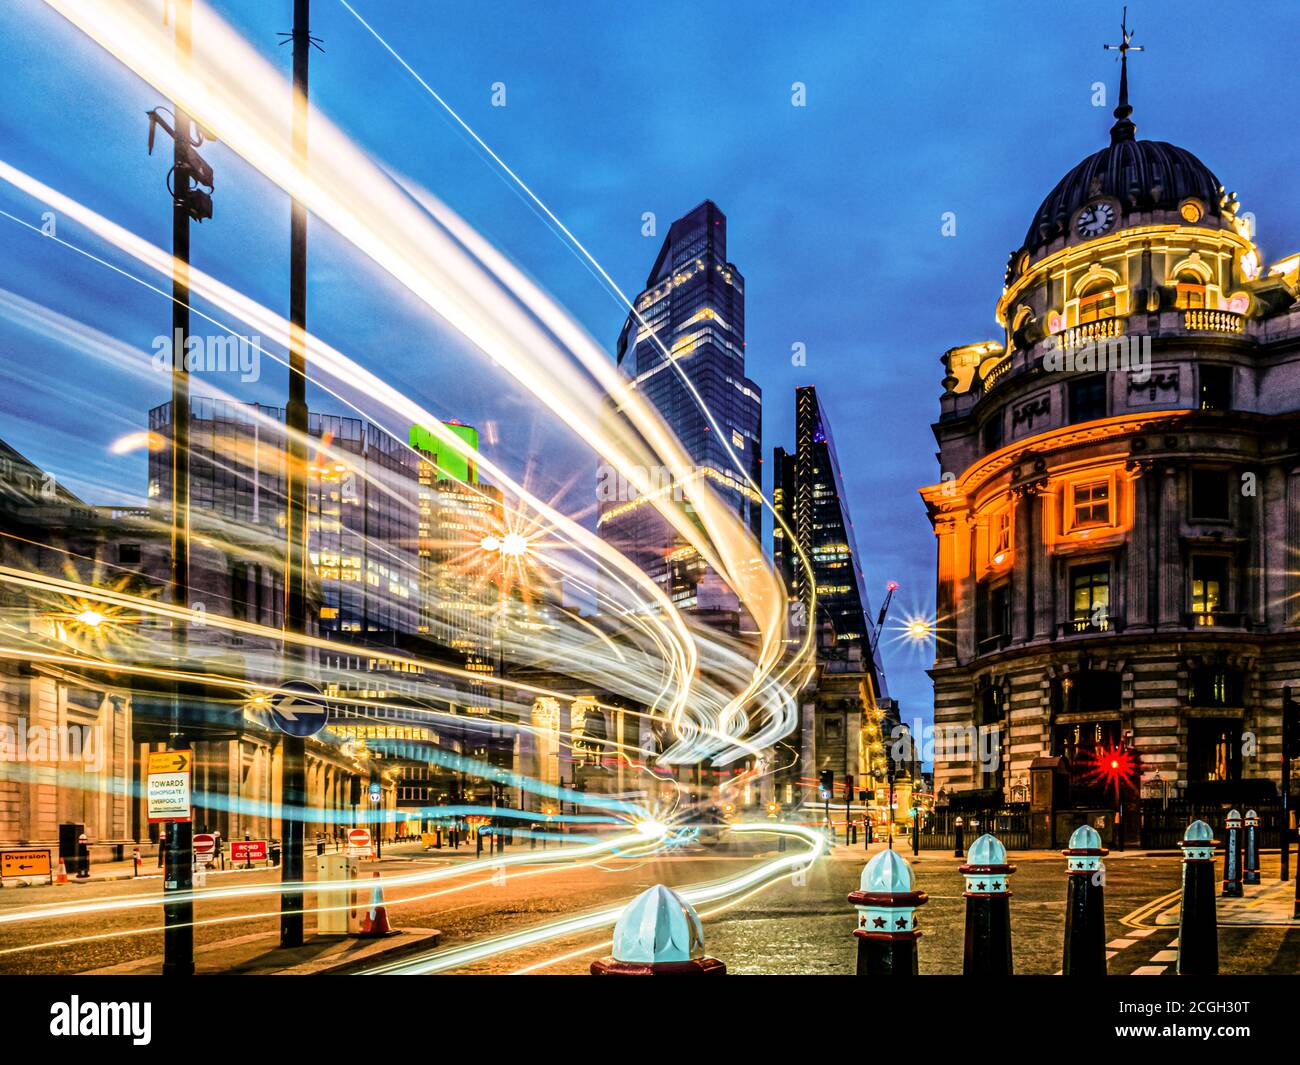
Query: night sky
column 835, row 209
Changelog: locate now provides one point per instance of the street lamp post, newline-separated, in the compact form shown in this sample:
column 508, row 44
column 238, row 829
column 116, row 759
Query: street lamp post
column 292, row 766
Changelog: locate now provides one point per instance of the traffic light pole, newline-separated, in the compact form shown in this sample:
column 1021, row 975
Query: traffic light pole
column 178, row 870
column 293, row 749
column 1288, row 743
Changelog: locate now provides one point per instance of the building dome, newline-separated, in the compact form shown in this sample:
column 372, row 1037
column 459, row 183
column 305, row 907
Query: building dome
column 1143, row 176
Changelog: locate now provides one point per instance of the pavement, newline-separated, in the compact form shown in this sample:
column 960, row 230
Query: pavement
column 258, row 955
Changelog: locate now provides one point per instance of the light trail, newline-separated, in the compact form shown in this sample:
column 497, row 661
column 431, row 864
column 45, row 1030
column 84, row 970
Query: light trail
column 454, row 273
column 114, row 904
column 775, row 869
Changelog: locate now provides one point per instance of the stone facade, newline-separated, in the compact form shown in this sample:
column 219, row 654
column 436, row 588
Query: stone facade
column 1118, row 515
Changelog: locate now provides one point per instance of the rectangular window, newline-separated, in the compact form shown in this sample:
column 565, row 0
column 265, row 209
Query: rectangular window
column 1090, row 503
column 993, row 433
column 1210, row 494
column 1213, row 750
column 1209, row 584
column 1090, row 595
column 1214, row 390
column 1087, row 399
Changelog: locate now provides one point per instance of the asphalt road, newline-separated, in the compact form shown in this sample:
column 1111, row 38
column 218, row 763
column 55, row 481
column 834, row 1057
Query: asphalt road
column 784, row 929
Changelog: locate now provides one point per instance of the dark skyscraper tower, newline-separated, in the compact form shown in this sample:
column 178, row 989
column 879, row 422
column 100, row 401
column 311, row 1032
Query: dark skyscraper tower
column 693, row 309
column 808, row 492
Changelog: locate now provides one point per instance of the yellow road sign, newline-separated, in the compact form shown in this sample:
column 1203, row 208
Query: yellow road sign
column 24, row 863
column 170, row 761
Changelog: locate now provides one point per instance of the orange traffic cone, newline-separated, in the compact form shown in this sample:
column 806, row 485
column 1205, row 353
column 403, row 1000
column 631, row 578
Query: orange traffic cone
column 374, row 921
column 62, row 878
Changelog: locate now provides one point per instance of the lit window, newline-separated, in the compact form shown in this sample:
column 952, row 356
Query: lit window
column 1096, row 306
column 1001, row 536
column 1191, row 294
column 1209, row 583
column 1092, row 503
column 1091, row 593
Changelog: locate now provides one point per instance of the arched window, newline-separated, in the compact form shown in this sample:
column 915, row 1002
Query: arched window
column 1190, row 288
column 1096, row 302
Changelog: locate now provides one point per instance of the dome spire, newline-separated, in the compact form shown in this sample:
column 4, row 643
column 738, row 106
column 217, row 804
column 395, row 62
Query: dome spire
column 1123, row 129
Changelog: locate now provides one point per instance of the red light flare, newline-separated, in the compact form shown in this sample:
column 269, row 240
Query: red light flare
column 1113, row 767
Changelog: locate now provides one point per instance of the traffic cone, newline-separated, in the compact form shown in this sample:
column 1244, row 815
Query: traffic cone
column 62, row 878
column 374, row 921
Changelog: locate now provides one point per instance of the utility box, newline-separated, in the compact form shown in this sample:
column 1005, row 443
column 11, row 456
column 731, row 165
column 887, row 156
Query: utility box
column 70, row 846
column 335, row 902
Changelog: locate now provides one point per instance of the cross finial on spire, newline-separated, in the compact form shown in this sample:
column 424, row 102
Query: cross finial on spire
column 1123, row 129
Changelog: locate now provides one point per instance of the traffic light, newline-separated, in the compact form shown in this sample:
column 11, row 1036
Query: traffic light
column 827, row 785
column 848, row 787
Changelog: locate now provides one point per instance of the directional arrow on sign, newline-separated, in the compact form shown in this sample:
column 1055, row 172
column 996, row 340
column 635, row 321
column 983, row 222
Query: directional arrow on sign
column 178, row 762
column 298, row 708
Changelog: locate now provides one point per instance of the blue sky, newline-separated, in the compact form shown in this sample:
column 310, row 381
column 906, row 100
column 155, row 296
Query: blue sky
column 834, row 208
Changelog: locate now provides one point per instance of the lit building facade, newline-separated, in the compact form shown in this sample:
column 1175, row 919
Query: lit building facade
column 361, row 498
column 846, row 714
column 687, row 335
column 1118, row 514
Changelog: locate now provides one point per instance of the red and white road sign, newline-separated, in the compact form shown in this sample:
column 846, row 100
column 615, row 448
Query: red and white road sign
column 248, row 850
column 205, row 847
column 359, row 837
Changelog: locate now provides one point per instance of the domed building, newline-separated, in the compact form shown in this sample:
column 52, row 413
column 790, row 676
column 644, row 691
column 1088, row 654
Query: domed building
column 1118, row 510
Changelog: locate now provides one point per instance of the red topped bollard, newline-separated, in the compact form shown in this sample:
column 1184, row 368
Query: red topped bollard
column 1085, row 910
column 988, row 909
column 658, row 934
column 1232, row 856
column 886, row 903
column 1198, row 929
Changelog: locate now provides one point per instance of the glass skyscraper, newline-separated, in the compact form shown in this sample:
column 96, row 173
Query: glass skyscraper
column 688, row 332
column 808, row 493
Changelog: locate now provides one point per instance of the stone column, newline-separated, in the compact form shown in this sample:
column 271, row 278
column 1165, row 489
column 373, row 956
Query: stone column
column 1172, row 590
column 1046, row 502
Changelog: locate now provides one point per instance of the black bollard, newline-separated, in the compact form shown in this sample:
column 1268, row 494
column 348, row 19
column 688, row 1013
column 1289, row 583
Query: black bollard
column 83, row 857
column 866, row 823
column 959, row 850
column 1085, row 910
column 1251, row 864
column 916, row 833
column 988, row 909
column 886, row 903
column 1198, row 931
column 1232, row 856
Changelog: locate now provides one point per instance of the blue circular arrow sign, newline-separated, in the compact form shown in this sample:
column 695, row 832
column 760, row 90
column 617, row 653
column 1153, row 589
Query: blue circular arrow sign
column 298, row 709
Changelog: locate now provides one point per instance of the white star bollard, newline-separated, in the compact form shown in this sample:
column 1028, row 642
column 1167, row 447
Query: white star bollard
column 658, row 934
column 886, row 903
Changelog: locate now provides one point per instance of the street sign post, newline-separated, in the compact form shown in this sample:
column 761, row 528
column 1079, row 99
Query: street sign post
column 376, row 793
column 298, row 709
column 168, row 785
column 26, row 863
column 205, row 848
column 359, row 843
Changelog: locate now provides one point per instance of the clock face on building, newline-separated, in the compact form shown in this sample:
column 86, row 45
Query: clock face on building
column 1095, row 219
